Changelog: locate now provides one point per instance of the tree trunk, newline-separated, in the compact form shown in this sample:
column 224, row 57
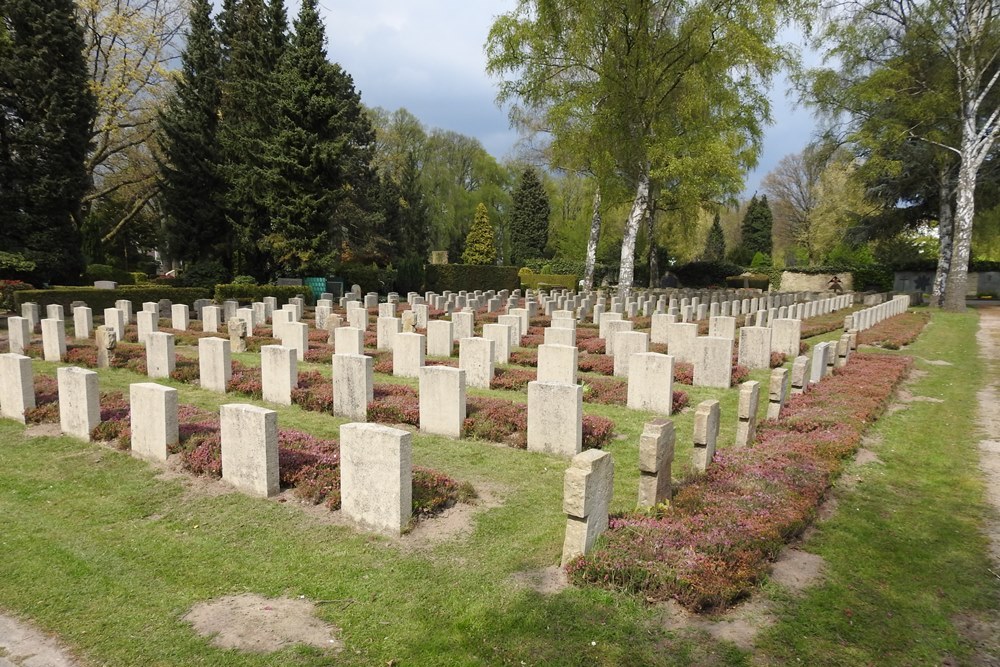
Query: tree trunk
column 965, row 211
column 595, row 234
column 946, row 230
column 654, row 268
column 635, row 217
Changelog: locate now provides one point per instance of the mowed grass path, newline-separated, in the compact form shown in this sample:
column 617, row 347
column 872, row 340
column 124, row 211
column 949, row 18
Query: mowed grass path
column 99, row 549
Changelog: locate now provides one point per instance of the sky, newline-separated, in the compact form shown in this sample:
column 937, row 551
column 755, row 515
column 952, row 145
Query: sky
column 427, row 56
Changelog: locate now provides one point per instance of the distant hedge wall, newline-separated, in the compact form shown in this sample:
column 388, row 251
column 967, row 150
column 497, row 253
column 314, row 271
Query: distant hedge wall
column 705, row 274
column 99, row 299
column 533, row 280
column 456, row 277
column 251, row 293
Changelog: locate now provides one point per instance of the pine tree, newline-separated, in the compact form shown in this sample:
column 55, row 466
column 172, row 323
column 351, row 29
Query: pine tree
column 249, row 116
column 480, row 245
column 715, row 246
column 756, row 227
column 192, row 186
column 46, row 108
column 529, row 221
column 324, row 149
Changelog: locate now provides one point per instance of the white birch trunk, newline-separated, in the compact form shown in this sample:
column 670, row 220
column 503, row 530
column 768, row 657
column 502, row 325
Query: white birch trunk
column 965, row 211
column 635, row 217
column 595, row 235
column 945, row 235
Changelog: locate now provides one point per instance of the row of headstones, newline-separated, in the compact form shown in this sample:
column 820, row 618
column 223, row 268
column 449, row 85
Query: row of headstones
column 375, row 460
column 589, row 481
column 869, row 317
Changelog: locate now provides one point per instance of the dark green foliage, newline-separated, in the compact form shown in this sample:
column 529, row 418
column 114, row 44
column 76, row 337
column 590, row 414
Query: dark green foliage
column 190, row 178
column 46, row 107
column 548, row 280
column 480, row 244
column 705, row 274
column 370, row 277
column 250, row 293
column 756, row 227
column 406, row 217
column 529, row 219
column 566, row 267
column 99, row 299
column 323, row 150
column 207, row 273
column 96, row 272
column 715, row 246
column 755, row 281
column 455, row 277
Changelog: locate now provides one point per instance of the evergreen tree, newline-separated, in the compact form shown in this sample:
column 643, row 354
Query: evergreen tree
column 192, row 186
column 715, row 246
column 249, row 116
column 529, row 219
column 46, row 108
column 756, row 227
column 323, row 152
column 480, row 246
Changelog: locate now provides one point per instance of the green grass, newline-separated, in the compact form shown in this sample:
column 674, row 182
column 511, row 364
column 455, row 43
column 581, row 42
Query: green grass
column 100, row 550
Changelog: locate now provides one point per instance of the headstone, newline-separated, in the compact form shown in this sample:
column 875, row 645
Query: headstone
column 246, row 314
column 650, row 382
column 817, row 367
column 279, row 373
column 237, row 335
column 376, row 473
column 588, row 488
column 408, row 352
column 296, row 336
column 147, row 322
column 32, row 313
column 843, row 350
column 19, row 334
column 215, row 364
column 161, row 359
column 658, row 334
column 475, row 357
column 785, row 337
column 348, row 340
column 627, row 343
column 557, row 364
column 250, row 448
column 357, row 317
column 153, row 420
column 800, row 374
column 442, row 400
column 386, row 329
column 83, row 322
column 614, row 327
column 682, row 337
column 54, row 311
column 656, row 454
column 440, row 341
column 54, row 339
column 706, row 434
column 713, row 363
column 722, row 327
column 79, row 401
column 749, row 401
column 17, row 385
column 777, row 391
column 555, row 418
column 352, row 386
column 559, row 336
column 463, row 325
column 500, row 335
column 332, row 323
column 755, row 347
column 408, row 321
column 211, row 318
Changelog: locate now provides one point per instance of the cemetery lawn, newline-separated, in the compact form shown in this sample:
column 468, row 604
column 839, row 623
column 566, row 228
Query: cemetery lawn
column 108, row 554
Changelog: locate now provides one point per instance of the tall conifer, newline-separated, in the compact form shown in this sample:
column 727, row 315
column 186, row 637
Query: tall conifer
column 529, row 218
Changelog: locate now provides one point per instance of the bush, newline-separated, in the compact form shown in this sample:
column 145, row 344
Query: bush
column 548, row 280
column 244, row 280
column 208, row 273
column 706, row 274
column 96, row 272
column 15, row 265
column 251, row 293
column 371, row 277
column 455, row 277
column 7, row 289
column 99, row 299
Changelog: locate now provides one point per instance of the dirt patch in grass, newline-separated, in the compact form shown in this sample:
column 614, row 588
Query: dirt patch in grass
column 865, row 457
column 547, row 581
column 21, row 644
column 250, row 622
column 46, row 430
column 738, row 625
column 984, row 635
column 988, row 338
column 797, row 570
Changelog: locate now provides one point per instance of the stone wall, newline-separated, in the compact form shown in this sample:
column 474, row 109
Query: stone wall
column 987, row 282
column 792, row 281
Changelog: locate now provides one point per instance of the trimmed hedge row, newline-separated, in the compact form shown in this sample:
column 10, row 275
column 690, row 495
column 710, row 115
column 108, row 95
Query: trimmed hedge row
column 455, row 277
column 99, row 299
column 251, row 293
column 533, row 280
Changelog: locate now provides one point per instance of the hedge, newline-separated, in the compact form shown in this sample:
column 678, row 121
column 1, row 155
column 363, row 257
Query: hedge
column 870, row 277
column 251, row 293
column 705, row 274
column 456, row 277
column 547, row 280
column 370, row 277
column 99, row 299
column 568, row 266
column 755, row 281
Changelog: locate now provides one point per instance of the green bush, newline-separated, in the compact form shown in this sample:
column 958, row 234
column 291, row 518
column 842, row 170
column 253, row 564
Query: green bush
column 244, row 280
column 15, row 265
column 370, row 277
column 97, row 272
column 754, row 281
column 7, row 289
column 705, row 274
column 251, row 293
column 99, row 299
column 876, row 277
column 548, row 280
column 567, row 267
column 205, row 274
column 456, row 277
column 760, row 261
column 140, row 278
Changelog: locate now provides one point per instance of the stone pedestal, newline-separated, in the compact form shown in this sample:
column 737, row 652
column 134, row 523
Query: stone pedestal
column 706, row 434
column 656, row 455
column 588, row 488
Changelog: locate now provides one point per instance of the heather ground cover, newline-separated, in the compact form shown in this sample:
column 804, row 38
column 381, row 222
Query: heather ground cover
column 101, row 549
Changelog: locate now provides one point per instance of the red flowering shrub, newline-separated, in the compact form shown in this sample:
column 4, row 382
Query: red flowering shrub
column 778, row 359
column 319, row 353
column 683, row 372
column 512, row 379
column 46, row 408
column 246, row 380
column 592, row 345
column 434, row 492
column 532, row 340
column 524, row 357
column 713, row 543
column 821, row 324
column 597, row 363
column 895, row 332
column 186, row 370
column 606, row 391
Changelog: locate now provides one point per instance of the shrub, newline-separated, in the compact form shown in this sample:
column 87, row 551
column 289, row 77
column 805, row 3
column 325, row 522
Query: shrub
column 249, row 293
column 96, row 272
column 99, row 299
column 206, row 274
column 895, row 332
column 705, row 274
column 7, row 289
column 549, row 280
column 244, row 280
column 456, row 277
column 370, row 277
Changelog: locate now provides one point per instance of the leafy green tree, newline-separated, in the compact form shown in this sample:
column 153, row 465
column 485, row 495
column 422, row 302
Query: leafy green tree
column 755, row 232
column 529, row 218
column 323, row 153
column 191, row 184
column 715, row 245
column 665, row 101
column 480, row 244
column 46, row 107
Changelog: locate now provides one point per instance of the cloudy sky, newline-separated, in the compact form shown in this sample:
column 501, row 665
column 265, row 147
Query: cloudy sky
column 427, row 56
